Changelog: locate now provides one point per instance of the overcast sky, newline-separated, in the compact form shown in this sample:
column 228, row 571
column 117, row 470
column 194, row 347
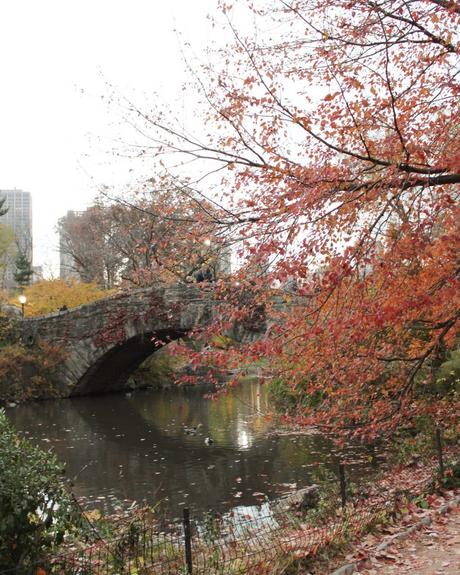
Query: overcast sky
column 55, row 59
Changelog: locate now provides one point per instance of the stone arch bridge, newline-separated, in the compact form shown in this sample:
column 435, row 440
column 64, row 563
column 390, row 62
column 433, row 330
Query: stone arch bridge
column 106, row 340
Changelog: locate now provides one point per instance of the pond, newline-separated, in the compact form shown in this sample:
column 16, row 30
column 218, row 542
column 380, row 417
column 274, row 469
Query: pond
column 142, row 446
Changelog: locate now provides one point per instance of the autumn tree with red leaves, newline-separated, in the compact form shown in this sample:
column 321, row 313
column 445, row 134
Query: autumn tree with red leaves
column 336, row 128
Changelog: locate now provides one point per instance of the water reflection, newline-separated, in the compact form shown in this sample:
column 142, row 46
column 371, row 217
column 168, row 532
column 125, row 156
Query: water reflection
column 120, row 448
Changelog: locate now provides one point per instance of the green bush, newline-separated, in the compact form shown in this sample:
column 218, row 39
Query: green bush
column 287, row 398
column 35, row 508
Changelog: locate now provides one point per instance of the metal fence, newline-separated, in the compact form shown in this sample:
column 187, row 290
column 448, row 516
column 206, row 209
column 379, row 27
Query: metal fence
column 241, row 542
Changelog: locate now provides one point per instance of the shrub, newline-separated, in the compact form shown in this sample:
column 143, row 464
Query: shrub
column 35, row 508
column 290, row 398
column 28, row 373
column 451, row 479
column 9, row 332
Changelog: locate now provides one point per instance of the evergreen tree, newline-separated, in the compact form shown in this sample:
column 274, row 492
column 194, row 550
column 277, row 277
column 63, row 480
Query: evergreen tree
column 3, row 210
column 23, row 273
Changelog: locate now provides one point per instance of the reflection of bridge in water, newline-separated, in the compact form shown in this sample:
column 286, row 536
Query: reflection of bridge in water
column 105, row 341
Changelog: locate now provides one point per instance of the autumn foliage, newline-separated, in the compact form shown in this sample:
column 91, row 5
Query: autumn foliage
column 48, row 296
column 336, row 128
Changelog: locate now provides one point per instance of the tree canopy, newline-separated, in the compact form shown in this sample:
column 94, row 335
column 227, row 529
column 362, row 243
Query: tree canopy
column 335, row 129
column 48, row 296
column 160, row 234
column 7, row 251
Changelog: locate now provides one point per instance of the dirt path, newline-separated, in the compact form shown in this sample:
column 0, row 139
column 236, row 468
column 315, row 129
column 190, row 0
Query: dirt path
column 435, row 550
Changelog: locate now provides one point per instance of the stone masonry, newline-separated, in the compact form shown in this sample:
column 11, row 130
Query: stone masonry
column 106, row 340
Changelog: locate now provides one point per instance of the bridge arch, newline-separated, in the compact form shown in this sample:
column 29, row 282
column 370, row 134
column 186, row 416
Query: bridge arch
column 112, row 369
column 106, row 340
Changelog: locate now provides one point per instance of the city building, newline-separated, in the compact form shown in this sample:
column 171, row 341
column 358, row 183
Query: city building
column 19, row 219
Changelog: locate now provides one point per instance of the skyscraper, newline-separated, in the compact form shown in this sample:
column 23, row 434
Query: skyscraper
column 19, row 219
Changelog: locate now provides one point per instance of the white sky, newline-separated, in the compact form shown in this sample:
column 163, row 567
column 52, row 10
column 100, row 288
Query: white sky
column 55, row 57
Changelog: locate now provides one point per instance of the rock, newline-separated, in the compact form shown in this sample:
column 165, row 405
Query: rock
column 302, row 500
column 309, row 498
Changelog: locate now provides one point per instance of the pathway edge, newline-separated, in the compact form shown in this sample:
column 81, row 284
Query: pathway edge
column 350, row 568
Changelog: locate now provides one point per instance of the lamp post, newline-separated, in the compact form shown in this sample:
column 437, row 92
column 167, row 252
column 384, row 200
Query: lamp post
column 208, row 274
column 22, row 300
